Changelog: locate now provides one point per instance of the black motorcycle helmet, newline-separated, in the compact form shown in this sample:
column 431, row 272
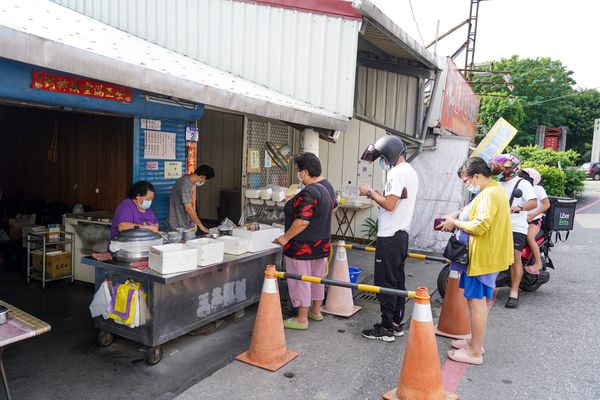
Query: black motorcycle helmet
column 389, row 147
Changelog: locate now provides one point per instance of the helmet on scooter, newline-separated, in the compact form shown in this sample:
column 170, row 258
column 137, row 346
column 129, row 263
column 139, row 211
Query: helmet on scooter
column 389, row 147
column 505, row 166
column 533, row 174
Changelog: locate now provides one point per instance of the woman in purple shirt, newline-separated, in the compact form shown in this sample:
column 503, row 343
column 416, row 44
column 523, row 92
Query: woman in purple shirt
column 135, row 210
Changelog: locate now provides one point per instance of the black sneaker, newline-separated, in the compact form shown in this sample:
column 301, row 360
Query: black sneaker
column 398, row 330
column 379, row 333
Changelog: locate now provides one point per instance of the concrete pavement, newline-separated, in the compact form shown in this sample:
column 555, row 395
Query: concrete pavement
column 548, row 348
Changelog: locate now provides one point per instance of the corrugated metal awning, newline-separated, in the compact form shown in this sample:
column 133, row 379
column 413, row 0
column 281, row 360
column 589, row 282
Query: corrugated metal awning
column 383, row 33
column 43, row 33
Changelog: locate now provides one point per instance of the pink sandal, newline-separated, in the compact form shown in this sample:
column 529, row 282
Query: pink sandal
column 529, row 268
column 461, row 356
column 461, row 344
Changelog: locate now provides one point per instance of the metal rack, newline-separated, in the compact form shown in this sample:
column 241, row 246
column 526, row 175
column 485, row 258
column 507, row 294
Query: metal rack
column 42, row 242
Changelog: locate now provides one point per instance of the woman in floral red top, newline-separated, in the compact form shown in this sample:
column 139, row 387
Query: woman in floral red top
column 307, row 239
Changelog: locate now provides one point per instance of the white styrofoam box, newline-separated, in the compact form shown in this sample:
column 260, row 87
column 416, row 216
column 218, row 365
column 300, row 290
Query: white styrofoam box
column 172, row 258
column 210, row 251
column 278, row 195
column 252, row 194
column 261, row 239
column 266, row 194
column 234, row 245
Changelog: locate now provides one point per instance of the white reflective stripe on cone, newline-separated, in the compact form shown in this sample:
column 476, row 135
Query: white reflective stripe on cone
column 454, row 274
column 269, row 286
column 422, row 313
column 340, row 254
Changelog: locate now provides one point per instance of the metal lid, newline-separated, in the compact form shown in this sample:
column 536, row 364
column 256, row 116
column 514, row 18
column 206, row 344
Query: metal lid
column 136, row 235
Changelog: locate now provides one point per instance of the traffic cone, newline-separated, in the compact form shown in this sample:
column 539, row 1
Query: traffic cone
column 421, row 374
column 267, row 347
column 454, row 319
column 339, row 299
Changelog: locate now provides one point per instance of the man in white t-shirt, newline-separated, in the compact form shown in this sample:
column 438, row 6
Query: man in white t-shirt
column 396, row 206
column 509, row 165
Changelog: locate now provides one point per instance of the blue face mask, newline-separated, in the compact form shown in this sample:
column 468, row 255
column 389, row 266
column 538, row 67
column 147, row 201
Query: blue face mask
column 383, row 165
column 473, row 189
column 146, row 204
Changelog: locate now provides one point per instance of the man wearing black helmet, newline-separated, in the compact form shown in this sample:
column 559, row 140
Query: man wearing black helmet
column 396, row 206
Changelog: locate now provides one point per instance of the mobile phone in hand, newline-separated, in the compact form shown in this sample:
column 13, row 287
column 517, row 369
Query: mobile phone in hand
column 436, row 222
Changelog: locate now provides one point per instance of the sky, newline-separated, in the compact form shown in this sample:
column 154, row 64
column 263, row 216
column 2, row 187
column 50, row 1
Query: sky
column 558, row 29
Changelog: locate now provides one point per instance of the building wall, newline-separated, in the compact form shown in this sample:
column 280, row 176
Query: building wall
column 341, row 166
column 94, row 154
column 220, row 145
column 388, row 98
column 311, row 57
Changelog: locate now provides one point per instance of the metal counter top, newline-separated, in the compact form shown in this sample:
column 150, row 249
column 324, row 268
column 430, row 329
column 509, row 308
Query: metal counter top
column 150, row 275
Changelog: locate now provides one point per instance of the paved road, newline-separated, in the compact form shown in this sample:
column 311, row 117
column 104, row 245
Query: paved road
column 546, row 349
column 549, row 348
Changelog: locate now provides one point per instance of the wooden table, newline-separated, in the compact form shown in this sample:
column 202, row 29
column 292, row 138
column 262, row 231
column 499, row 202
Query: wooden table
column 345, row 216
column 19, row 327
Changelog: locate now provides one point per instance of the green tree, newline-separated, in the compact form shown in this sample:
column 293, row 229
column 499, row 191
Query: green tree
column 535, row 81
column 584, row 108
column 493, row 107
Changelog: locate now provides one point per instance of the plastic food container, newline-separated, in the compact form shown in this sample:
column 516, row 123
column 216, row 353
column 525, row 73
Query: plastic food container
column 234, row 245
column 172, row 258
column 210, row 251
column 278, row 195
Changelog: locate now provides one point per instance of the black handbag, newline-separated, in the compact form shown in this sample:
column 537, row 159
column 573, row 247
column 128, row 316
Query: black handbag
column 457, row 251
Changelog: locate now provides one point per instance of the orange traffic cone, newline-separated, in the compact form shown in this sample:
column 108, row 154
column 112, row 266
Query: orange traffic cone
column 421, row 374
column 267, row 347
column 339, row 299
column 454, row 318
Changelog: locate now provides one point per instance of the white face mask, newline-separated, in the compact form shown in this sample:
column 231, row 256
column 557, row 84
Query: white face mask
column 199, row 184
column 299, row 177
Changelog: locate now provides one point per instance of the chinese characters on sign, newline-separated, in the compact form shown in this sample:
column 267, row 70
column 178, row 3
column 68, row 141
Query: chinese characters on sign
column 82, row 87
column 460, row 104
column 172, row 169
column 159, row 145
column 192, row 148
column 496, row 140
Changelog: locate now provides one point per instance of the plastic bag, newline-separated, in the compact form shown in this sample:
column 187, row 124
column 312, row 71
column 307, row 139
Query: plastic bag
column 123, row 304
column 227, row 225
column 102, row 300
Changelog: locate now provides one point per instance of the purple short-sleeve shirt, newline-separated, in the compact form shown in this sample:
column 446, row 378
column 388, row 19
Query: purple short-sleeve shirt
column 127, row 211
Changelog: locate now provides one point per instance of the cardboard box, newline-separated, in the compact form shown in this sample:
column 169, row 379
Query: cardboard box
column 58, row 264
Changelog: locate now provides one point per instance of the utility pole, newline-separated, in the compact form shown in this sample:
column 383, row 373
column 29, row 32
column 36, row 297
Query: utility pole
column 471, row 39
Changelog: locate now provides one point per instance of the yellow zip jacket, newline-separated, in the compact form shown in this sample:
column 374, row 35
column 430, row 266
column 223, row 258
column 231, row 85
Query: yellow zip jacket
column 491, row 241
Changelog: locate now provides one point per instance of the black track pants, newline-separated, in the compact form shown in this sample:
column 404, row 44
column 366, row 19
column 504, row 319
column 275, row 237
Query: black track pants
column 390, row 255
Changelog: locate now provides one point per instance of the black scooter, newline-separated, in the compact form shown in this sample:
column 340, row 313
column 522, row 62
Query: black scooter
column 529, row 282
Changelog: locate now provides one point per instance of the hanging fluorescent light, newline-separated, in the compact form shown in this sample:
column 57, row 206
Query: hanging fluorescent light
column 170, row 102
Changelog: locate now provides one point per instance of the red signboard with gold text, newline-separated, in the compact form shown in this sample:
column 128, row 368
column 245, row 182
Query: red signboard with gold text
column 192, row 148
column 81, row 87
column 461, row 106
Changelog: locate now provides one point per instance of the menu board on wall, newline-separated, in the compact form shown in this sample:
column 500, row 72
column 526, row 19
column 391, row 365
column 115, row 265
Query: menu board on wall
column 159, row 145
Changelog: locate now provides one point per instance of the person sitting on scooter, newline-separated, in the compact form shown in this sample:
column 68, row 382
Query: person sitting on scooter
column 508, row 167
column 534, row 217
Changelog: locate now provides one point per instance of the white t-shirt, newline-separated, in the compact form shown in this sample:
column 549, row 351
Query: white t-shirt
column 519, row 220
column 401, row 177
column 540, row 193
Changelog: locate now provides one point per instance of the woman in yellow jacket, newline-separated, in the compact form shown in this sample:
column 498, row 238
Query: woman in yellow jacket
column 490, row 251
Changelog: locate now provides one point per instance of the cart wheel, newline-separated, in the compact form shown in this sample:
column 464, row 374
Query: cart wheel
column 105, row 339
column 153, row 355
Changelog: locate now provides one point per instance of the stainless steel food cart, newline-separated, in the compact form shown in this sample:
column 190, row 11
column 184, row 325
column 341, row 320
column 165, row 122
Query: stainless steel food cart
column 182, row 302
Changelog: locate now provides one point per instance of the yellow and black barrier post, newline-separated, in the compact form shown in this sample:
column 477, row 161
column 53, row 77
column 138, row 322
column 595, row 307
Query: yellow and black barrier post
column 358, row 286
column 371, row 249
